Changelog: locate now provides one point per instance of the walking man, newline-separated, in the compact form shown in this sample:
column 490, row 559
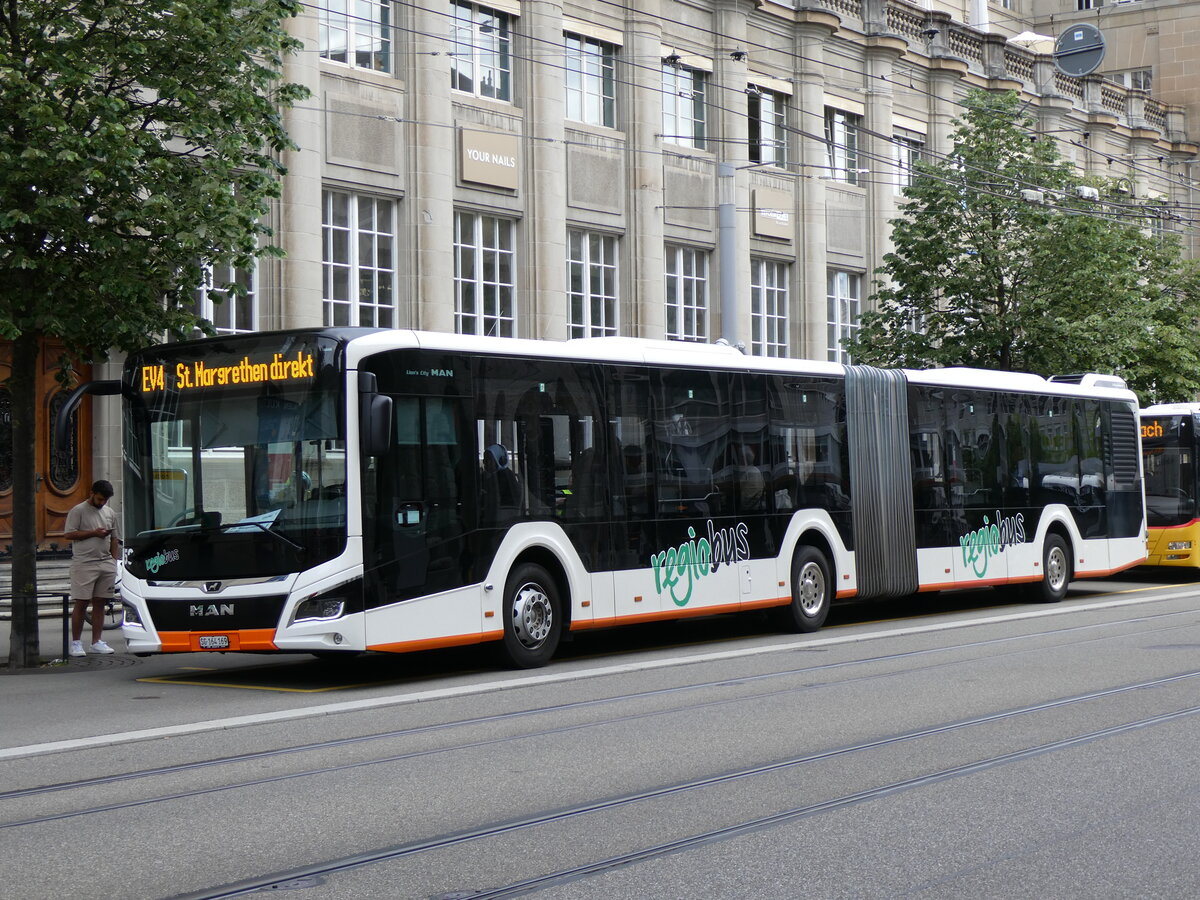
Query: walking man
column 95, row 532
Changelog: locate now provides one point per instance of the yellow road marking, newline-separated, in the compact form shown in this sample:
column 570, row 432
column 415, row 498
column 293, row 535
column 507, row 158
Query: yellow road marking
column 168, row 679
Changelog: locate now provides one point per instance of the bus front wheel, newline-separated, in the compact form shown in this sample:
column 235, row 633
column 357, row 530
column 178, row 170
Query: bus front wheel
column 812, row 585
column 532, row 616
column 1056, row 569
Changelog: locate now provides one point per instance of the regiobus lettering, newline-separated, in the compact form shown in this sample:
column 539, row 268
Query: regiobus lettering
column 980, row 545
column 697, row 558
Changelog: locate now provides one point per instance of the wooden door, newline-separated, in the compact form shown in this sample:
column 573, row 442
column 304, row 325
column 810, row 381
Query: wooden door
column 64, row 474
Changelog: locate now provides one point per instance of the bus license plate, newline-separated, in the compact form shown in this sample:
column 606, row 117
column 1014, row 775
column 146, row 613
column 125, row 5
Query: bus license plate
column 214, row 642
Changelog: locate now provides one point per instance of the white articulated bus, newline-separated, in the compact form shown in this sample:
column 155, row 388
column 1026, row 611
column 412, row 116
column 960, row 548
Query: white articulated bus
column 335, row 490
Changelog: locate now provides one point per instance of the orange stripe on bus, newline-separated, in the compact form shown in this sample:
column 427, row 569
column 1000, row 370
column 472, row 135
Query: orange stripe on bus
column 1024, row 579
column 1101, row 573
column 243, row 639
column 438, row 643
column 680, row 613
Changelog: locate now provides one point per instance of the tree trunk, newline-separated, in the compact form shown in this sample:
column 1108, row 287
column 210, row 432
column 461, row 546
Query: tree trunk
column 23, row 651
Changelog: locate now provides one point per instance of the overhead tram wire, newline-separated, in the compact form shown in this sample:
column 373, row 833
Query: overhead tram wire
column 559, row 52
column 710, row 103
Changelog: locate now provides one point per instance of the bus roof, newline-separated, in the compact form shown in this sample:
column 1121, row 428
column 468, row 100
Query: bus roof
column 638, row 351
column 1172, row 409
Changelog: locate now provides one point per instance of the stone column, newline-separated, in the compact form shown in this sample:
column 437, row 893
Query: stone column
column 944, row 75
column 807, row 318
column 428, row 210
column 1052, row 122
column 882, row 51
column 1145, row 149
column 290, row 288
column 732, row 269
column 544, row 278
column 643, row 303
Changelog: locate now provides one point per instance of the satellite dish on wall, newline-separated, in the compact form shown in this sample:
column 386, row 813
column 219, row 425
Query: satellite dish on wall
column 1079, row 50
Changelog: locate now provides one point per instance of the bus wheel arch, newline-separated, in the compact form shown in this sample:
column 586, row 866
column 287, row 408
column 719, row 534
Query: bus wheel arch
column 1057, row 570
column 812, row 583
column 535, row 610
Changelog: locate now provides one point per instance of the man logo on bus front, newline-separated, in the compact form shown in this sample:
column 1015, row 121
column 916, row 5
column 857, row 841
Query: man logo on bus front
column 212, row 587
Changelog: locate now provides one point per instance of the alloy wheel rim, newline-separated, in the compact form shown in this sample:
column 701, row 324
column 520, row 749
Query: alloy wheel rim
column 532, row 616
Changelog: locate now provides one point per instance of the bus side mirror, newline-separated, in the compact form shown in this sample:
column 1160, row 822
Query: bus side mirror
column 62, row 421
column 374, row 417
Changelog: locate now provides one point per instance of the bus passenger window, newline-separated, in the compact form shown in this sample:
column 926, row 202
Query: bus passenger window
column 500, row 487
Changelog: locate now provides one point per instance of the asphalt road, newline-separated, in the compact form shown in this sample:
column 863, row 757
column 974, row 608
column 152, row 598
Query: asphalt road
column 960, row 745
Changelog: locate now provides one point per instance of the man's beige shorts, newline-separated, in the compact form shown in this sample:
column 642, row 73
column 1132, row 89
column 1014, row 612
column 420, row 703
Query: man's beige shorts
column 92, row 579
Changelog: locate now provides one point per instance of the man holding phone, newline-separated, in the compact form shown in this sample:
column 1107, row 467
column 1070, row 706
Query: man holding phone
column 95, row 532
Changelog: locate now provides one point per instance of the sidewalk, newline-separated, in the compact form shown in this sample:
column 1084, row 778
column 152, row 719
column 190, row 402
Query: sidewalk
column 54, row 582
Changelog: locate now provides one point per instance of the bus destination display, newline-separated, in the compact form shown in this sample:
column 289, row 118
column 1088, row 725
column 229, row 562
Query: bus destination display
column 201, row 374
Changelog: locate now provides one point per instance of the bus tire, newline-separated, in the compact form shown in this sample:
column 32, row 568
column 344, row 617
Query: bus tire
column 1056, row 569
column 812, row 585
column 533, row 618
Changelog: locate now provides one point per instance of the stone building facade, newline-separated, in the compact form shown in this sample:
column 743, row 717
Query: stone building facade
column 687, row 169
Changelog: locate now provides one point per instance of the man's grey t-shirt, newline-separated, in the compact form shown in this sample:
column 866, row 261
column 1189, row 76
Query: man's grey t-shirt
column 85, row 517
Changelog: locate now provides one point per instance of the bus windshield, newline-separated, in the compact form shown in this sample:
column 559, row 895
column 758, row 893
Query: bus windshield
column 239, row 466
column 1170, row 479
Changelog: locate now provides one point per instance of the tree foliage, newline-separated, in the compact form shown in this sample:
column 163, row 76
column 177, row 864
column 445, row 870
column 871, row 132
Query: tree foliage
column 139, row 139
column 981, row 275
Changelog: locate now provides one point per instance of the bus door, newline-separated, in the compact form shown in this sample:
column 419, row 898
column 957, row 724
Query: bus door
column 696, row 510
column 975, row 449
column 418, row 529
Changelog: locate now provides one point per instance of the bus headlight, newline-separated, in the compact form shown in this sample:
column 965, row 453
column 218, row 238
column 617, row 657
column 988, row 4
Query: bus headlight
column 1179, row 545
column 131, row 616
column 319, row 609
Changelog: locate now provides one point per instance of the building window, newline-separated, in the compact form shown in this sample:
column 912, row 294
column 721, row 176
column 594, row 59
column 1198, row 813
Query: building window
column 687, row 294
column 359, row 260
column 907, row 147
column 484, row 275
column 766, row 127
column 592, row 283
column 843, row 308
column 1134, row 79
column 683, row 105
column 481, row 53
column 768, row 307
column 358, row 33
column 591, row 81
column 229, row 311
column 841, row 145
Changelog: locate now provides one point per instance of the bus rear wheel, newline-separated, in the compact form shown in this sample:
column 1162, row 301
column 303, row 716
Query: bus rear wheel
column 1056, row 569
column 811, row 588
column 532, row 616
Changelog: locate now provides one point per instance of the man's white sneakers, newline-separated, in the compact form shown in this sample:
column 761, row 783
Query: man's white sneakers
column 98, row 647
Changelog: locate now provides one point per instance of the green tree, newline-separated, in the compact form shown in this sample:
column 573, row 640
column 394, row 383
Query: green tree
column 138, row 138
column 985, row 275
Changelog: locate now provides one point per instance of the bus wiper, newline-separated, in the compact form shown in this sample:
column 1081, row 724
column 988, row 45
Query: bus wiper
column 264, row 527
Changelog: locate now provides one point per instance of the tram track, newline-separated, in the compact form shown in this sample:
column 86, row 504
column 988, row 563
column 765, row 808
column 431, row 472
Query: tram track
column 556, row 709
column 316, row 873
column 497, row 718
column 859, row 747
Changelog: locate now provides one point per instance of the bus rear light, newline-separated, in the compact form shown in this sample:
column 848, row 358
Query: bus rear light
column 1179, row 545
